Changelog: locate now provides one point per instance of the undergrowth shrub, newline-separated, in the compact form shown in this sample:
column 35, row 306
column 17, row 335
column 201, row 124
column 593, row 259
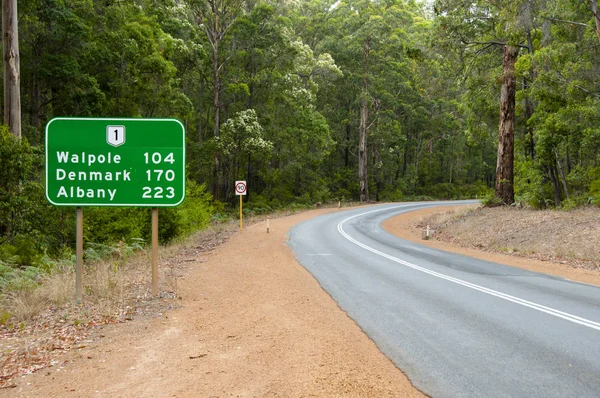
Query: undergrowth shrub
column 530, row 185
column 196, row 211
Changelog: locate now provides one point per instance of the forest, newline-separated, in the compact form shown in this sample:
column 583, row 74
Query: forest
column 309, row 102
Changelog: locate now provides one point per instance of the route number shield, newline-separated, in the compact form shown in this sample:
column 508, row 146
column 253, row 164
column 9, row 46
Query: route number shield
column 115, row 135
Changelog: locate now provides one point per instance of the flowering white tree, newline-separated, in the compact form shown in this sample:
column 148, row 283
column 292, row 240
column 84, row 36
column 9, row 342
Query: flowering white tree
column 242, row 140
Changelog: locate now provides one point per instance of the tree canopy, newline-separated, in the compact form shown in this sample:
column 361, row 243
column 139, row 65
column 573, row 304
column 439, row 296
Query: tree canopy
column 322, row 100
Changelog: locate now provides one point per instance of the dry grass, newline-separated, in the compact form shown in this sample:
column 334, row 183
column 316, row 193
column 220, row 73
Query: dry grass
column 442, row 218
column 58, row 287
column 115, row 286
column 24, row 304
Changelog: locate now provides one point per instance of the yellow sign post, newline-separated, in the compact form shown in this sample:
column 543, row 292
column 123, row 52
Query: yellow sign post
column 240, row 190
column 241, row 218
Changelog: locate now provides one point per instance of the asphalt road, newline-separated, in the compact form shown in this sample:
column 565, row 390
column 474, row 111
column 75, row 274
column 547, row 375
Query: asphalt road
column 457, row 326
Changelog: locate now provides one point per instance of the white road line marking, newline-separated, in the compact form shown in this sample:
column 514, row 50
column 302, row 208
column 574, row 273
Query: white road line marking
column 504, row 296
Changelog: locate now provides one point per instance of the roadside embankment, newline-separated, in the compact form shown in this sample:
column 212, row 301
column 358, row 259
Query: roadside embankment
column 561, row 243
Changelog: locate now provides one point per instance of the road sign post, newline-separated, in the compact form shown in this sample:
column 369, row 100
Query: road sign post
column 79, row 255
column 115, row 162
column 155, row 251
column 240, row 190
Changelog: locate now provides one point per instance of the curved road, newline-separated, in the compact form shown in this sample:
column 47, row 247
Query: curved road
column 457, row 326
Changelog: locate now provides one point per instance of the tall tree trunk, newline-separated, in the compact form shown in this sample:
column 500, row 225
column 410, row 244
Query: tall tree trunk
column 10, row 45
column 362, row 153
column 216, row 17
column 216, row 92
column 377, row 173
column 561, row 174
column 216, row 178
column 216, row 107
column 529, row 147
column 347, row 151
column 200, row 107
column 506, row 133
column 529, row 105
column 555, row 185
column 363, row 179
column 35, row 115
column 406, row 152
column 596, row 17
column 249, row 176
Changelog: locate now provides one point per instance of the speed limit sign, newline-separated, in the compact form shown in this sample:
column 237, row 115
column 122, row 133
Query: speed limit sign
column 240, row 188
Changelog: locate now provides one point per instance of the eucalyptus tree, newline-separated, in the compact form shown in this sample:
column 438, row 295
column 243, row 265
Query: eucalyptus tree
column 241, row 139
column 370, row 43
column 56, row 42
column 216, row 17
column 567, row 104
column 481, row 27
column 11, row 65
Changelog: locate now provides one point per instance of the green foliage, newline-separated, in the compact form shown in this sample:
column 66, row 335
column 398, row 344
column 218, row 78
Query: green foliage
column 197, row 209
column 531, row 188
column 293, row 79
column 104, row 225
column 595, row 186
column 259, row 205
column 491, row 200
column 22, row 251
column 19, row 164
column 15, row 279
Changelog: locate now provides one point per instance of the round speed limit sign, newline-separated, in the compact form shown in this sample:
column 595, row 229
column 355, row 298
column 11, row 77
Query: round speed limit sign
column 240, row 188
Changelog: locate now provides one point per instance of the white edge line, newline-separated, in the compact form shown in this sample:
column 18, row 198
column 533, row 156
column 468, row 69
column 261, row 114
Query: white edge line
column 491, row 292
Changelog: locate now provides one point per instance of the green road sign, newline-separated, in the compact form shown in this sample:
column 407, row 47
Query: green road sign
column 115, row 162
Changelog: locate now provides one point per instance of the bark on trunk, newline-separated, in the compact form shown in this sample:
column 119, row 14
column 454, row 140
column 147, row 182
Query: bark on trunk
column 405, row 157
column 35, row 118
column 529, row 105
column 249, row 176
column 529, row 139
column 555, row 185
column 347, row 151
column 561, row 173
column 216, row 108
column 364, row 117
column 377, row 173
column 596, row 17
column 200, row 107
column 10, row 44
column 362, row 153
column 216, row 89
column 504, row 165
column 216, row 178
